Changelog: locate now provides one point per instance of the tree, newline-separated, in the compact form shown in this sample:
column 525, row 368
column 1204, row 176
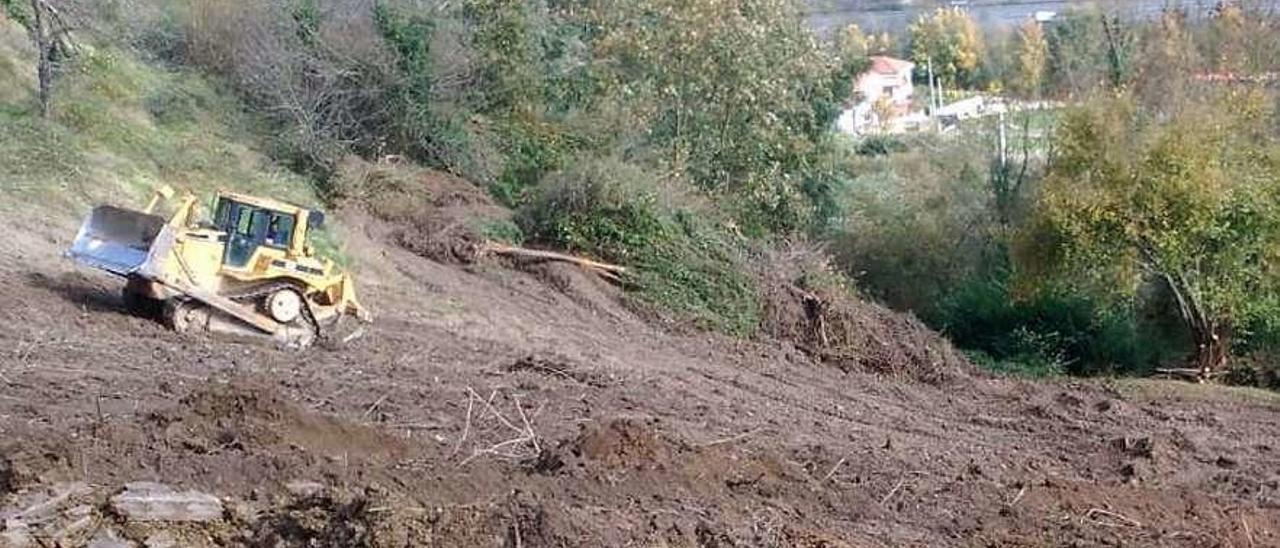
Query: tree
column 1032, row 52
column 1087, row 49
column 506, row 41
column 50, row 34
column 950, row 38
column 851, row 43
column 1169, row 58
column 735, row 94
column 1188, row 202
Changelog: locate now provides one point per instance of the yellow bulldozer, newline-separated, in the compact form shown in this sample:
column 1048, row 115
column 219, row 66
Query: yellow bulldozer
column 249, row 268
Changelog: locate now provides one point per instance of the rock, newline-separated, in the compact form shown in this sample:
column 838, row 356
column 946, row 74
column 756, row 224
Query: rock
column 162, row 539
column 16, row 535
column 106, row 538
column 146, row 501
column 83, row 519
column 44, row 505
column 303, row 489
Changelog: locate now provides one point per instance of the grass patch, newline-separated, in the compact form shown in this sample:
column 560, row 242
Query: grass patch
column 120, row 127
column 1030, row 366
column 1153, row 389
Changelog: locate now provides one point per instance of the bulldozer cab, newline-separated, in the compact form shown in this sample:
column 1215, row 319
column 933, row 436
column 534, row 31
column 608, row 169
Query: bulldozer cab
column 252, row 223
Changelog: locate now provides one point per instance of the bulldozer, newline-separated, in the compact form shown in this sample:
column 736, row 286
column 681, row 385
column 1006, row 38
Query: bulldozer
column 247, row 269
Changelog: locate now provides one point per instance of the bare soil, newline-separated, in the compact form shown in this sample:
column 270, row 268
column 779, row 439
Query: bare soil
column 492, row 406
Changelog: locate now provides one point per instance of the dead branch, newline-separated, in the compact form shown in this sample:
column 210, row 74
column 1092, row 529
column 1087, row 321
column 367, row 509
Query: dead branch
column 1021, row 493
column 368, row 412
column 606, row 270
column 533, row 437
column 488, row 405
column 732, row 439
column 1190, row 374
column 833, row 470
column 466, row 428
column 905, row 478
column 1094, row 512
column 526, row 435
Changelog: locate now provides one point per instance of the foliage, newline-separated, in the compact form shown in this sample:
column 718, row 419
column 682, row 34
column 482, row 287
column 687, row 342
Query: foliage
column 503, row 34
column 1057, row 326
column 1190, row 202
column 917, row 222
column 17, row 11
column 121, row 126
column 1169, row 60
column 1032, row 56
column 734, row 93
column 951, row 40
column 1087, row 49
column 880, row 145
column 685, row 266
column 420, row 129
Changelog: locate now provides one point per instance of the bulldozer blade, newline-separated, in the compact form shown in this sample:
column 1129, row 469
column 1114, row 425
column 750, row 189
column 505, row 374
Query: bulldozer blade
column 115, row 239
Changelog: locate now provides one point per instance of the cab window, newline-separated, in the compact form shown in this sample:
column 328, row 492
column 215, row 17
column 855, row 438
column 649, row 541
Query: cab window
column 280, row 230
column 222, row 214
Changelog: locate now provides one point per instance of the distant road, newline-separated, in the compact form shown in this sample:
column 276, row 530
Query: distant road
column 895, row 15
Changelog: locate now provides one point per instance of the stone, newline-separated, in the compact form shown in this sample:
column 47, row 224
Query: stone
column 45, row 505
column 303, row 489
column 162, row 539
column 147, row 501
column 106, row 538
column 16, row 535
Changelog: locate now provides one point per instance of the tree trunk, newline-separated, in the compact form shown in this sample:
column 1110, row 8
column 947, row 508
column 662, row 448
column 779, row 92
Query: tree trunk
column 1212, row 339
column 1212, row 347
column 44, row 47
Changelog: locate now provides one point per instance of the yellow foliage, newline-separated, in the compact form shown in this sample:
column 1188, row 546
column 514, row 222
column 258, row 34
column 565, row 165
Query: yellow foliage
column 1032, row 56
column 952, row 40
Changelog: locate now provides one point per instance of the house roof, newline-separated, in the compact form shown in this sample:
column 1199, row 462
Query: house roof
column 888, row 65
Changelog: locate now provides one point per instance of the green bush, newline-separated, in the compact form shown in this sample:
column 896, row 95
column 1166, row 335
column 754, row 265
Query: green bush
column 880, row 145
column 1033, row 365
column 684, row 265
column 1051, row 327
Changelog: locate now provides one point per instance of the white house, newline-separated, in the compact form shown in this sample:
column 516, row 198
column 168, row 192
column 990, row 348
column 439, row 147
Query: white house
column 886, row 82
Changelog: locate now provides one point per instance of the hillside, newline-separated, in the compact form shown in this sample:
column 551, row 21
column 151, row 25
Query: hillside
column 503, row 404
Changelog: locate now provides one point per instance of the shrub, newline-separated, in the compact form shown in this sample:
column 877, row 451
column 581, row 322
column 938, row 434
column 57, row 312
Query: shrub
column 684, row 265
column 1069, row 331
column 880, row 145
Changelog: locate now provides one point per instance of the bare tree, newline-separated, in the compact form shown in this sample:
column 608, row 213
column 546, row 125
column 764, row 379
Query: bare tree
column 51, row 34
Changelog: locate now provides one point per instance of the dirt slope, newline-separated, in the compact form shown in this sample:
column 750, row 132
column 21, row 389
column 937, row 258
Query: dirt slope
column 498, row 407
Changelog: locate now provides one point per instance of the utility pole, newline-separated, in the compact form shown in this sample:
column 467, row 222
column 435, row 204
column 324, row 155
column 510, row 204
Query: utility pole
column 1004, row 146
column 933, row 99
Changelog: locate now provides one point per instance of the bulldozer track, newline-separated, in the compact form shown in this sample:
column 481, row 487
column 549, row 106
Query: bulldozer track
column 250, row 295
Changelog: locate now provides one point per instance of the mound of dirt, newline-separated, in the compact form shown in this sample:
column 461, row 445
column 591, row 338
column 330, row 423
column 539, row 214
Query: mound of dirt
column 623, row 443
column 438, row 216
column 805, row 303
column 246, row 416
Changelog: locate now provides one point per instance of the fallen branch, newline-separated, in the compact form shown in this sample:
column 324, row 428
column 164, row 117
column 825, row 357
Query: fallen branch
column 1191, row 374
column 1021, row 493
column 610, row 271
column 732, row 439
column 466, row 429
column 526, row 435
column 368, row 412
column 1091, row 515
column 833, row 470
column 908, row 476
